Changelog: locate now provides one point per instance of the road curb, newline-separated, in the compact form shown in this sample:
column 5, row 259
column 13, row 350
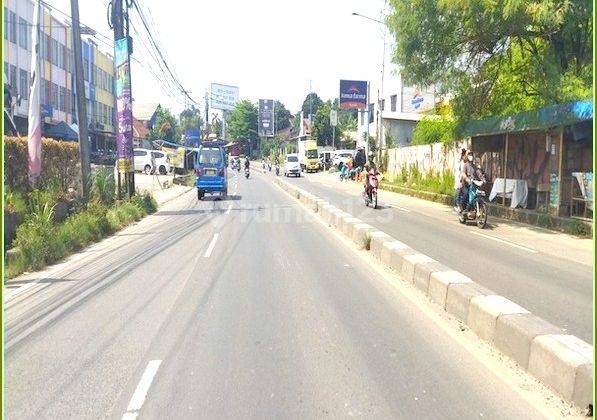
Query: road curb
column 564, row 363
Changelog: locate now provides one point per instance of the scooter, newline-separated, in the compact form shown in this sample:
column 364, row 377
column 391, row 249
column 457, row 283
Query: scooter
column 370, row 194
column 247, row 173
column 476, row 209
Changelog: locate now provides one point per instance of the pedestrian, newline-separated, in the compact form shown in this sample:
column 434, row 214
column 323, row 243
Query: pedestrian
column 153, row 164
column 458, row 186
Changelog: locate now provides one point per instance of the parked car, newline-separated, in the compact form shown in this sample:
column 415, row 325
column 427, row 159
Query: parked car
column 292, row 165
column 143, row 161
column 342, row 156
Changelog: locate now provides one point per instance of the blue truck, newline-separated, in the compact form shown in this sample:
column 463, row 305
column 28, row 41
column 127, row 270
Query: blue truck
column 210, row 169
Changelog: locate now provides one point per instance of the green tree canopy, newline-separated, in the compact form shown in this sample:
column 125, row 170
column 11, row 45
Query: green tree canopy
column 282, row 116
column 242, row 121
column 321, row 129
column 165, row 126
column 190, row 118
column 496, row 57
column 311, row 102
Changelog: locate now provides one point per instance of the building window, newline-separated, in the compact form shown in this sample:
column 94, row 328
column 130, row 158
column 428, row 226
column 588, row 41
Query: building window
column 48, row 92
column 5, row 24
column 63, row 99
column 48, row 47
column 393, row 100
column 383, row 104
column 13, row 80
column 24, row 84
column 55, row 96
column 13, row 27
column 370, row 111
column 86, row 69
column 23, row 33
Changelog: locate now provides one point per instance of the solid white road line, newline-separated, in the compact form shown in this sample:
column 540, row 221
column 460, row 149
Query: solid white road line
column 399, row 208
column 211, row 246
column 524, row 248
column 229, row 208
column 138, row 398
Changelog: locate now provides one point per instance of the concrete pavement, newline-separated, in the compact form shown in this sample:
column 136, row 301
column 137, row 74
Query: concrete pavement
column 549, row 274
column 242, row 308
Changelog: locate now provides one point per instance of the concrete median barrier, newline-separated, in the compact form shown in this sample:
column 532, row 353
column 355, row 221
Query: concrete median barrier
column 408, row 265
column 559, row 361
column 439, row 282
column 360, row 235
column 459, row 298
column 378, row 238
column 423, row 273
column 514, row 334
column 386, row 251
column 484, row 311
column 348, row 225
column 562, row 362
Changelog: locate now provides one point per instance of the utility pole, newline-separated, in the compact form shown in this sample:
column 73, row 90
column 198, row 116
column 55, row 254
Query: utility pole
column 207, row 130
column 81, row 102
column 119, row 22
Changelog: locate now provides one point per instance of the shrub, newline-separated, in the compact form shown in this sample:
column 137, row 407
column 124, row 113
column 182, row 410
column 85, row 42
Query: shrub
column 103, row 186
column 14, row 202
column 60, row 164
column 43, row 242
column 436, row 130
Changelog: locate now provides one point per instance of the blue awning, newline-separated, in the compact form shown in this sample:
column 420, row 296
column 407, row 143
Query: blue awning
column 60, row 131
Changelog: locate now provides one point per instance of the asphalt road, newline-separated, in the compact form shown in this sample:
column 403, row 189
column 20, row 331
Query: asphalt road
column 552, row 285
column 242, row 308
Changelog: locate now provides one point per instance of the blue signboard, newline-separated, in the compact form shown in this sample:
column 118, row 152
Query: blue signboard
column 353, row 94
column 47, row 111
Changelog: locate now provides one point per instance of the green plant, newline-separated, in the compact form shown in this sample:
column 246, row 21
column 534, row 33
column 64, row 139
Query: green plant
column 434, row 130
column 14, row 202
column 103, row 186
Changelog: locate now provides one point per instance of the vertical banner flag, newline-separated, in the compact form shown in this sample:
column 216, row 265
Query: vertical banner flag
column 353, row 94
column 266, row 118
column 124, row 111
column 34, row 134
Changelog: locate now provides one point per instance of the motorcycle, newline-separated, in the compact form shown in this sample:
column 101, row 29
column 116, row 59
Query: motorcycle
column 370, row 194
column 476, row 209
column 247, row 173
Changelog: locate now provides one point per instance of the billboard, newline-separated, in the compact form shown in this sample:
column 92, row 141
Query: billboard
column 266, row 118
column 353, row 94
column 416, row 99
column 223, row 97
column 124, row 109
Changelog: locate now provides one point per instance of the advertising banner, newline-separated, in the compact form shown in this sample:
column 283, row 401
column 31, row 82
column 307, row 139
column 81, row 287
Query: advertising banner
column 266, row 118
column 223, row 97
column 353, row 94
column 124, row 110
column 416, row 99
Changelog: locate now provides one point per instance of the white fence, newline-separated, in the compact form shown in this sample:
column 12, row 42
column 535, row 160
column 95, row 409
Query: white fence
column 435, row 157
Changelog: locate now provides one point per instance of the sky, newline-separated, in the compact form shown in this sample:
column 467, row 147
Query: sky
column 268, row 48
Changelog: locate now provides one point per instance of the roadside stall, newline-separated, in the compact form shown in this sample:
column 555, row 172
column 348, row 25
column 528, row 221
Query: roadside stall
column 540, row 160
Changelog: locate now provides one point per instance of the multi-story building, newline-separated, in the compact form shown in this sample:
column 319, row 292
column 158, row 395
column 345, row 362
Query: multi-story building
column 395, row 114
column 99, row 91
column 57, row 74
column 55, row 68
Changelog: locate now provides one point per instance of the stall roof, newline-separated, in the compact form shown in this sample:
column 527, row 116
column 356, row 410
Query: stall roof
column 539, row 119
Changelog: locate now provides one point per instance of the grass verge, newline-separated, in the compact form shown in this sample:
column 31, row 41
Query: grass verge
column 40, row 241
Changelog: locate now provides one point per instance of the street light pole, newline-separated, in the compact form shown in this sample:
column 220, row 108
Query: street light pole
column 380, row 92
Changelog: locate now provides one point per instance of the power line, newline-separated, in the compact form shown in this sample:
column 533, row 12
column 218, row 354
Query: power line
column 161, row 55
